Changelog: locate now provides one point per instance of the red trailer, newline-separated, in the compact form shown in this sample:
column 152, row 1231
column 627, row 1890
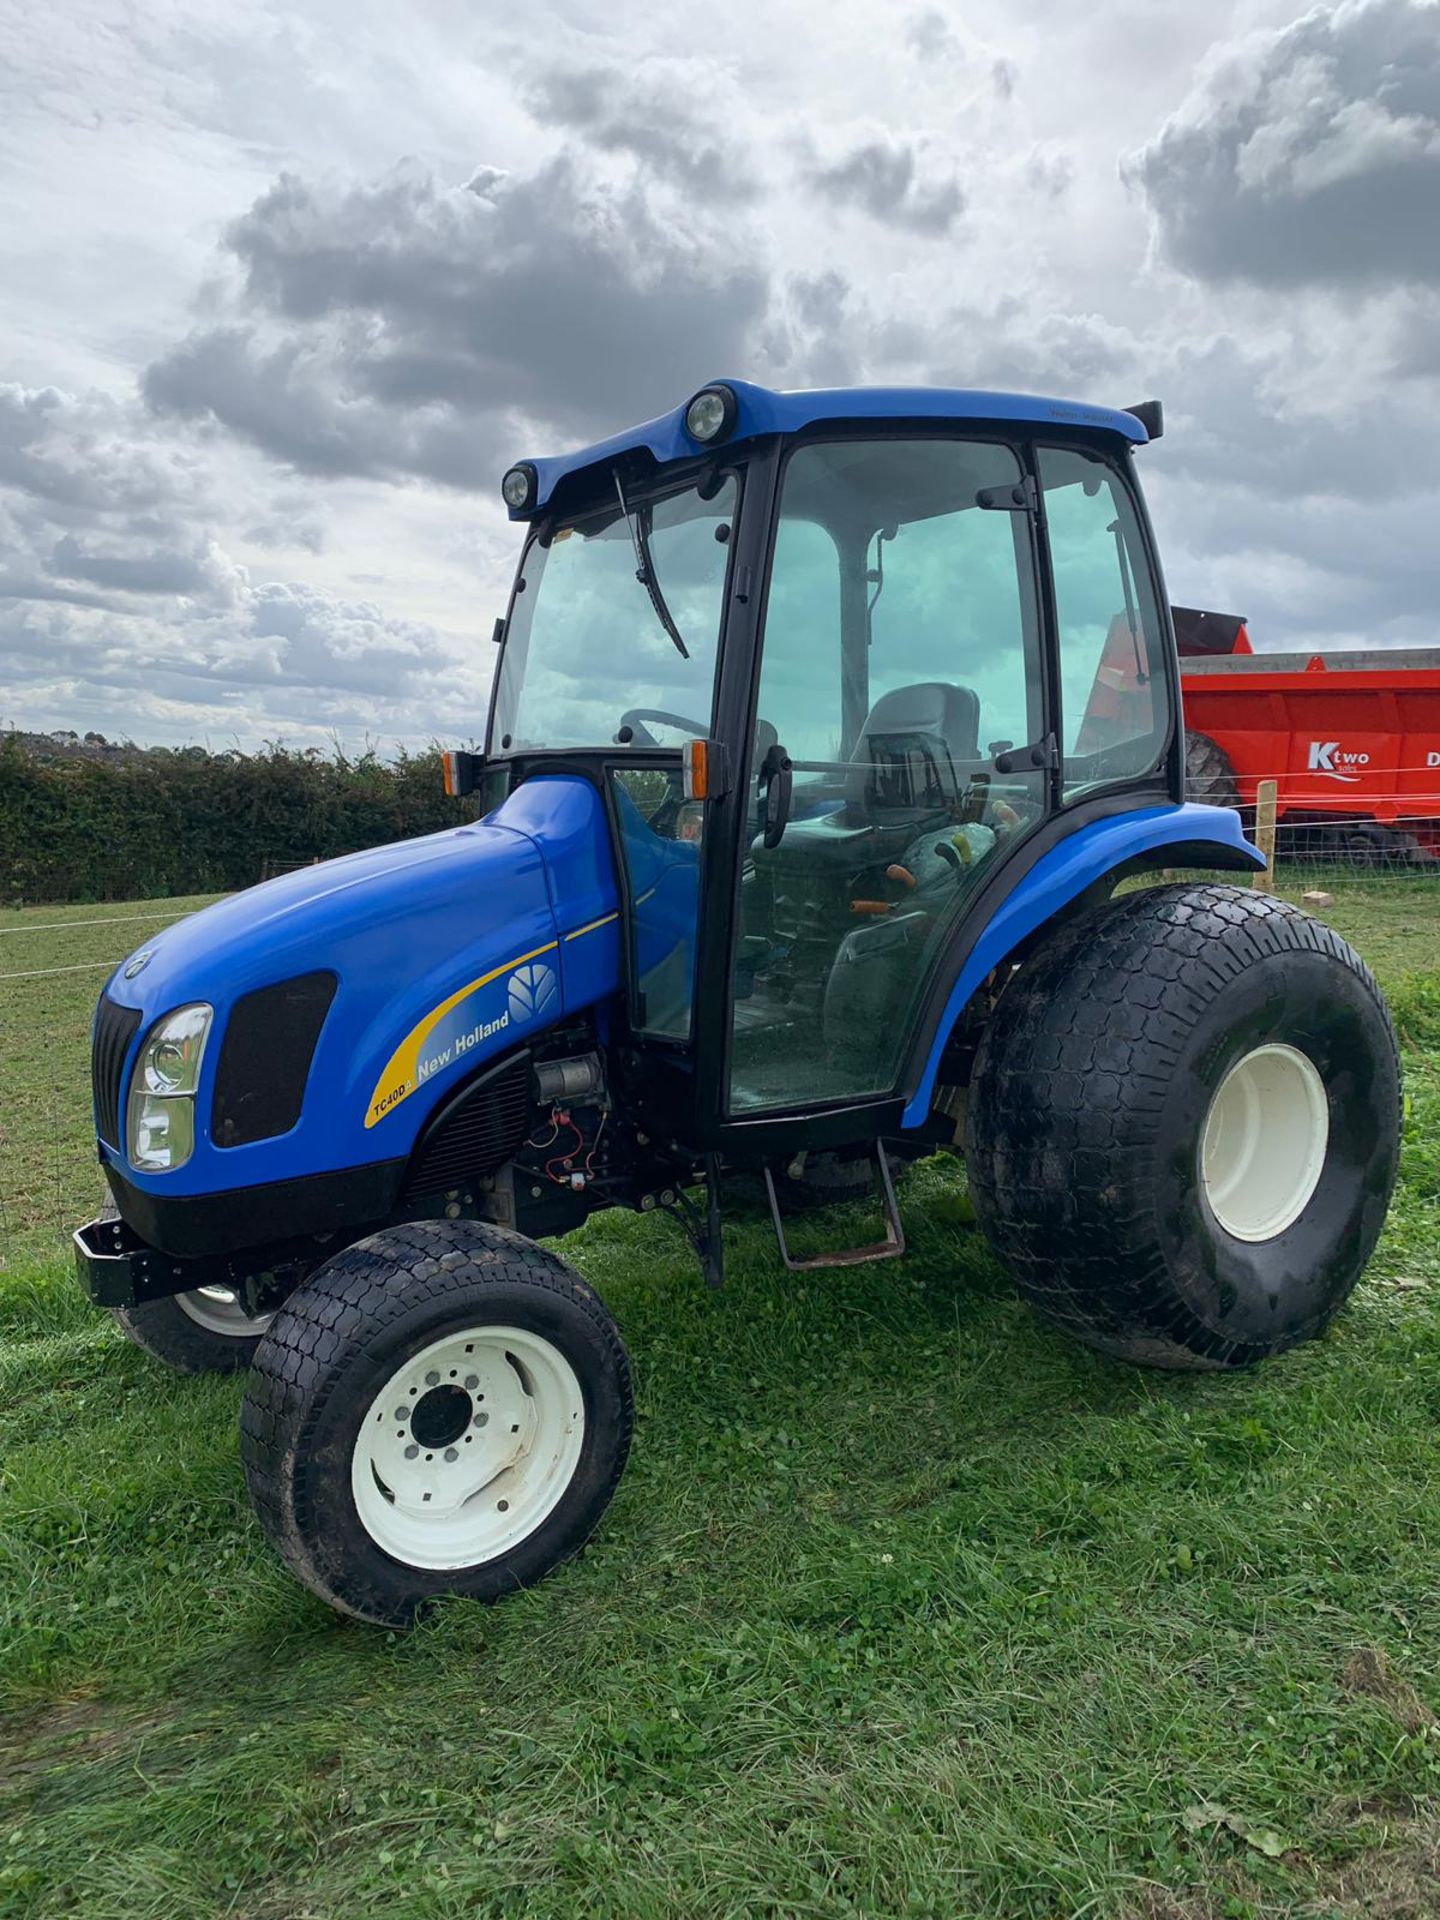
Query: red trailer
column 1351, row 739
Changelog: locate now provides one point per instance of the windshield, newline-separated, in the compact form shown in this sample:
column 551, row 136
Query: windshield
column 586, row 653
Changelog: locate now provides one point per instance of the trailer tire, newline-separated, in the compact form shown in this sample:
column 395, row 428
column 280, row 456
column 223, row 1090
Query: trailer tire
column 381, row 1372
column 1184, row 1126
column 1210, row 772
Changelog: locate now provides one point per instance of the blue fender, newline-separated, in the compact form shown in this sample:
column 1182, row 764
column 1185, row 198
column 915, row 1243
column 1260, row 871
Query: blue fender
column 448, row 950
column 1061, row 876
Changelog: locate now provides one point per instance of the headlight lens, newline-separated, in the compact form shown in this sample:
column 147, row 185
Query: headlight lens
column 517, row 489
column 161, row 1121
column 711, row 414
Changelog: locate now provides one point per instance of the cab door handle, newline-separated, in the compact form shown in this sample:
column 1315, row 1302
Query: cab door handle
column 777, row 777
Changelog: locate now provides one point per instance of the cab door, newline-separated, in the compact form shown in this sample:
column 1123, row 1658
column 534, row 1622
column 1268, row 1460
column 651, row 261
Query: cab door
column 902, row 710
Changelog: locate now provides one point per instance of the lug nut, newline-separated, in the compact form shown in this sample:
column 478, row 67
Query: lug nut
column 482, row 1419
column 402, row 1413
column 472, row 1379
column 412, row 1452
column 452, row 1453
column 432, row 1379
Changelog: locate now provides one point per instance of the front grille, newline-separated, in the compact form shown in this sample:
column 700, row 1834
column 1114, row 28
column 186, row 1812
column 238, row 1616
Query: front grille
column 477, row 1132
column 270, row 1040
column 114, row 1030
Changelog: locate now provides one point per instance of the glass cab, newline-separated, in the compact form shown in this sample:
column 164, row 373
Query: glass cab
column 911, row 651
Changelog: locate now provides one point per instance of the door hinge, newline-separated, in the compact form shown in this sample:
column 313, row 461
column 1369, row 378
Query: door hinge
column 1040, row 753
column 1020, row 498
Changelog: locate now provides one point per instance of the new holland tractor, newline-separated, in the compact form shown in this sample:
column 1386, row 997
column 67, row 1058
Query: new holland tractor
column 825, row 729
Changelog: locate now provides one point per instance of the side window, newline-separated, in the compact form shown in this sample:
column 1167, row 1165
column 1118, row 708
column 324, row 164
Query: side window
column 660, row 836
column 952, row 605
column 802, row 673
column 1114, row 704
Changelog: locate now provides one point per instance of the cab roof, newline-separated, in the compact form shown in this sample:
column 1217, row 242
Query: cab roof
column 763, row 410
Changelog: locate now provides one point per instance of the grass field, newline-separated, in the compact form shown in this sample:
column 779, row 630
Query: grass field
column 905, row 1606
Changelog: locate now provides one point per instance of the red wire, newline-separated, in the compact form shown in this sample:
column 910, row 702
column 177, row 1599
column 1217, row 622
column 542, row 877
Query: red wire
column 562, row 1179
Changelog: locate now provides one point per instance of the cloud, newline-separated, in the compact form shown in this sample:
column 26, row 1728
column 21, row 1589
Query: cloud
column 652, row 118
column 405, row 328
column 884, row 178
column 1308, row 157
column 121, row 610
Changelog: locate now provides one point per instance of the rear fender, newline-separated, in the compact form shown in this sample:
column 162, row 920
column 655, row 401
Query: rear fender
column 1104, row 851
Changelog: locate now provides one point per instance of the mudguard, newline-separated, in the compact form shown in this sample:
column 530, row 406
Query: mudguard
column 447, row 950
column 1062, row 875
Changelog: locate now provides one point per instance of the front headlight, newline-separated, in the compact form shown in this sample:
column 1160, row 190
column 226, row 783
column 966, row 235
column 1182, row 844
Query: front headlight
column 161, row 1117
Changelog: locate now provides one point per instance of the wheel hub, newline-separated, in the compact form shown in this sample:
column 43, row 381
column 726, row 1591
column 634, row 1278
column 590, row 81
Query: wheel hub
column 468, row 1447
column 219, row 1310
column 1263, row 1147
column 441, row 1416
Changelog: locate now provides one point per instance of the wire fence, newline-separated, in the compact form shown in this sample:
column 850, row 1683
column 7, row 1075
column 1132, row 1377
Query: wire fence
column 1341, row 809
column 53, row 962
column 52, row 966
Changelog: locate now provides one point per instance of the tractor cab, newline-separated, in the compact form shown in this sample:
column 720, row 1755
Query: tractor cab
column 840, row 665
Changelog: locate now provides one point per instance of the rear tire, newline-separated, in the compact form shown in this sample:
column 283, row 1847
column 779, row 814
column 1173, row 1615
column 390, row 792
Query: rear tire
column 444, row 1408
column 1184, row 1126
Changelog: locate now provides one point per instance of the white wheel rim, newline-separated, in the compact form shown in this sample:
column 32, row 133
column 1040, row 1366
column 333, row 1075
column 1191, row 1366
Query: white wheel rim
column 1263, row 1148
column 218, row 1310
column 468, row 1448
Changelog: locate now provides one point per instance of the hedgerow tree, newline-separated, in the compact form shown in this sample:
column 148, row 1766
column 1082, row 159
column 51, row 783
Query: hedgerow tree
column 78, row 825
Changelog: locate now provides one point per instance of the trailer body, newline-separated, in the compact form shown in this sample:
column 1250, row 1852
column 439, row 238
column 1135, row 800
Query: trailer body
column 1352, row 740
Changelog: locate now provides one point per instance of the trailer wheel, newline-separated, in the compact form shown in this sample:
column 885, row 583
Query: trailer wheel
column 1209, row 772
column 204, row 1331
column 444, row 1408
column 1184, row 1126
column 1371, row 845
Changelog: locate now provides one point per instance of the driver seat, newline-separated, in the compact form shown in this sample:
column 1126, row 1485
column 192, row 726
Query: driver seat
column 906, row 756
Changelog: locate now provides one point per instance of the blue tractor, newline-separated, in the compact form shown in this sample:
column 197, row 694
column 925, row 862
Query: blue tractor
column 827, row 730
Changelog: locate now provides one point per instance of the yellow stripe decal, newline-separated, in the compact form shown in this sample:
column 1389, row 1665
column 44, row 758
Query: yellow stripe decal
column 399, row 1080
column 591, row 925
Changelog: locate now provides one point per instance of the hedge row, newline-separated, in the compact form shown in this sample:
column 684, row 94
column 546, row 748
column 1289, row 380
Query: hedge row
column 141, row 823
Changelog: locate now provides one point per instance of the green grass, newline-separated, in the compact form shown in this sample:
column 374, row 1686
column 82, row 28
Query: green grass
column 905, row 1606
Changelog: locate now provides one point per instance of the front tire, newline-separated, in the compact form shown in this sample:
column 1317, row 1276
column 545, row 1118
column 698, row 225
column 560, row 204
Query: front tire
column 444, row 1408
column 1184, row 1127
column 204, row 1331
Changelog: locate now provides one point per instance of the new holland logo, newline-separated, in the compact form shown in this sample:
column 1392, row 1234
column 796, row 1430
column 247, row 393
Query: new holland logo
column 532, row 992
column 1326, row 757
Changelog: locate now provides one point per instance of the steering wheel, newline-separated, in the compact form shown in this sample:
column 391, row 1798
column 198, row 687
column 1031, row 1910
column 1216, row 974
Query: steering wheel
column 641, row 735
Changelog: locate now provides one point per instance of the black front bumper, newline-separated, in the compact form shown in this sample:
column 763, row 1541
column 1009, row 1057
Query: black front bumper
column 249, row 1220
column 170, row 1243
column 118, row 1269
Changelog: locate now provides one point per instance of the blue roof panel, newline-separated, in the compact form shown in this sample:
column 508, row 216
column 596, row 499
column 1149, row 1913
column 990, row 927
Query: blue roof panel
column 765, row 411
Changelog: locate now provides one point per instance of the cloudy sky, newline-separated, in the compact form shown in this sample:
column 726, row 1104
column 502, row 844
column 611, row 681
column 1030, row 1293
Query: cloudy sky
column 283, row 289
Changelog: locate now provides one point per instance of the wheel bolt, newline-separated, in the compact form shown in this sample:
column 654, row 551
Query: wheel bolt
column 412, row 1452
column 402, row 1413
column 472, row 1380
column 482, row 1419
column 432, row 1379
column 451, row 1453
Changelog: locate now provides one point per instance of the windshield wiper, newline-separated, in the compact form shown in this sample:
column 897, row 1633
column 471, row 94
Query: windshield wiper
column 639, row 525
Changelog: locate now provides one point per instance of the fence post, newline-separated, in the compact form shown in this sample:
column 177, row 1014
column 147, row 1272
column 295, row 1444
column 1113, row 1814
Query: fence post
column 1265, row 793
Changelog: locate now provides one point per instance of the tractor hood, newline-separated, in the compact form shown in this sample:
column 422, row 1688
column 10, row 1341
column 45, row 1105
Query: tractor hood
column 446, row 952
